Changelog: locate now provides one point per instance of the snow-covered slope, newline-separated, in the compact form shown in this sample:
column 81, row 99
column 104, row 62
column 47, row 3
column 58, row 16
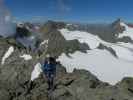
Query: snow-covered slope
column 82, row 37
column 123, row 50
column 101, row 62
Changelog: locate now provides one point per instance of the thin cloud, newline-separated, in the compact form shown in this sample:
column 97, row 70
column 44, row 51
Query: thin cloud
column 63, row 6
column 7, row 28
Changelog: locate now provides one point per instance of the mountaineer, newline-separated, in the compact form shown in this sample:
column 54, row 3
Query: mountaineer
column 49, row 69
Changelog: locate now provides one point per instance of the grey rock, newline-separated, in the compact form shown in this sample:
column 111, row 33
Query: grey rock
column 4, row 95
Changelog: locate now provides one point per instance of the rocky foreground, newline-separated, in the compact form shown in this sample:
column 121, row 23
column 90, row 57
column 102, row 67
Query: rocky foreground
column 15, row 76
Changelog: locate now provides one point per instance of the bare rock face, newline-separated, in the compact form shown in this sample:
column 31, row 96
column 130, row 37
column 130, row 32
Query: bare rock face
column 57, row 43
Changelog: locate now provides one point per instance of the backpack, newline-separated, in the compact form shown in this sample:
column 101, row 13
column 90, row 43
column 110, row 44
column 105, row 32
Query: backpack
column 49, row 67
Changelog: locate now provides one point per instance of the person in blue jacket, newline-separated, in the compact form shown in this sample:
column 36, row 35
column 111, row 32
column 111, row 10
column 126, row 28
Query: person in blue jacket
column 49, row 69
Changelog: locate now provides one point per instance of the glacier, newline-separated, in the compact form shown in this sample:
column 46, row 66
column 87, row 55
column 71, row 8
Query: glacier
column 100, row 62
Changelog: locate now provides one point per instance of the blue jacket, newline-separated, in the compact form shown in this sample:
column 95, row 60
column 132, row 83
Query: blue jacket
column 49, row 68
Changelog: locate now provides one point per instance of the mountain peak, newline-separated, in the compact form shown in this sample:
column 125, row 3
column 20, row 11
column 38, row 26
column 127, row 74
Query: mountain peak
column 117, row 25
column 117, row 22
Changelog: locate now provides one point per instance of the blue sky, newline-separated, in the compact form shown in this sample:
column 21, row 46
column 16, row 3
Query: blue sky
column 72, row 10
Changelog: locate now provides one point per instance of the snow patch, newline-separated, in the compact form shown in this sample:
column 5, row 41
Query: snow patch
column 37, row 27
column 69, row 24
column 26, row 57
column 45, row 42
column 36, row 72
column 7, row 54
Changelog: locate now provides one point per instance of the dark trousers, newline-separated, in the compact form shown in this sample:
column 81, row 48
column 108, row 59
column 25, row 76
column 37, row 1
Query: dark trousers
column 50, row 80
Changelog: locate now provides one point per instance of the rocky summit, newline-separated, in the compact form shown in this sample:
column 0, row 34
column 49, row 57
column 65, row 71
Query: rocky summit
column 19, row 61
